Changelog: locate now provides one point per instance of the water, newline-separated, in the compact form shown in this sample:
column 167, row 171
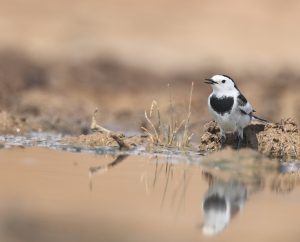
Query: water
column 103, row 194
column 55, row 141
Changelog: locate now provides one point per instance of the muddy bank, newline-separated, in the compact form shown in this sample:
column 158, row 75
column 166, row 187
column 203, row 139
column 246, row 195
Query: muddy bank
column 276, row 140
column 100, row 139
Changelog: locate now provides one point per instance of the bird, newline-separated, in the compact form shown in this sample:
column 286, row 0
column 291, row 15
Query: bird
column 229, row 107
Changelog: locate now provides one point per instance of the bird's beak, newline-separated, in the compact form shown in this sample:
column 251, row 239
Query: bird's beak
column 210, row 81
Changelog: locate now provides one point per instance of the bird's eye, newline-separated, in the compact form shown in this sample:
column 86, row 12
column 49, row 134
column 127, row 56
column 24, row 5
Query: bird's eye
column 223, row 81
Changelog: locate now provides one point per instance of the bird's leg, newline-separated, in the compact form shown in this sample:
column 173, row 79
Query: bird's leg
column 223, row 137
column 239, row 143
column 240, row 138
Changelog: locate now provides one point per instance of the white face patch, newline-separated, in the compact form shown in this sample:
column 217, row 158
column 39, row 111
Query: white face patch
column 223, row 84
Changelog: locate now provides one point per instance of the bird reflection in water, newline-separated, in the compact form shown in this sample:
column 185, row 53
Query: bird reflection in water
column 221, row 203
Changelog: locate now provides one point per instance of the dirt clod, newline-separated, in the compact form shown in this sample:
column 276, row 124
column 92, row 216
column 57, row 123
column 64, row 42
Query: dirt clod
column 210, row 140
column 95, row 139
column 280, row 140
column 100, row 139
column 276, row 140
column 104, row 137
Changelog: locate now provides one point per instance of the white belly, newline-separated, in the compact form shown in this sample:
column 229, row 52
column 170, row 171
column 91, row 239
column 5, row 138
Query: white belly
column 230, row 122
column 226, row 122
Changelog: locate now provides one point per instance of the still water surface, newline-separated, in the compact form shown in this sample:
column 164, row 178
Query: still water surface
column 51, row 195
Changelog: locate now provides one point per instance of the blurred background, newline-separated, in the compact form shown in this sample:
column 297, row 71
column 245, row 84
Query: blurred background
column 61, row 59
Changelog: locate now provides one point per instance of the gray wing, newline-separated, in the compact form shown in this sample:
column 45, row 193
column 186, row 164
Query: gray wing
column 244, row 105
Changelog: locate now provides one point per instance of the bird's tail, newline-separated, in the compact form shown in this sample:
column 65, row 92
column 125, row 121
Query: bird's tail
column 254, row 117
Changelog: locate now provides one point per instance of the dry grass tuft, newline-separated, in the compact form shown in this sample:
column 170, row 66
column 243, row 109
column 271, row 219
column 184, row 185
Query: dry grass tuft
column 172, row 133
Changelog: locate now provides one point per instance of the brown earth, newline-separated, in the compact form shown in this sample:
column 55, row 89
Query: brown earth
column 276, row 140
column 62, row 96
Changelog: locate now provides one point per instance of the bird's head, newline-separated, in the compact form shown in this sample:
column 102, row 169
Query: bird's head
column 221, row 83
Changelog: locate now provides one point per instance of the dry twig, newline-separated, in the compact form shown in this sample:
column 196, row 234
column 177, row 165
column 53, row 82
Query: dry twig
column 119, row 138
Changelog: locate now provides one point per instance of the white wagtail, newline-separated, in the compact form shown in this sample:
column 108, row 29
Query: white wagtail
column 229, row 107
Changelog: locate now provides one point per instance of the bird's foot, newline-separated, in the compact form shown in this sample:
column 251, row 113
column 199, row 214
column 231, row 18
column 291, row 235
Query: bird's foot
column 222, row 140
